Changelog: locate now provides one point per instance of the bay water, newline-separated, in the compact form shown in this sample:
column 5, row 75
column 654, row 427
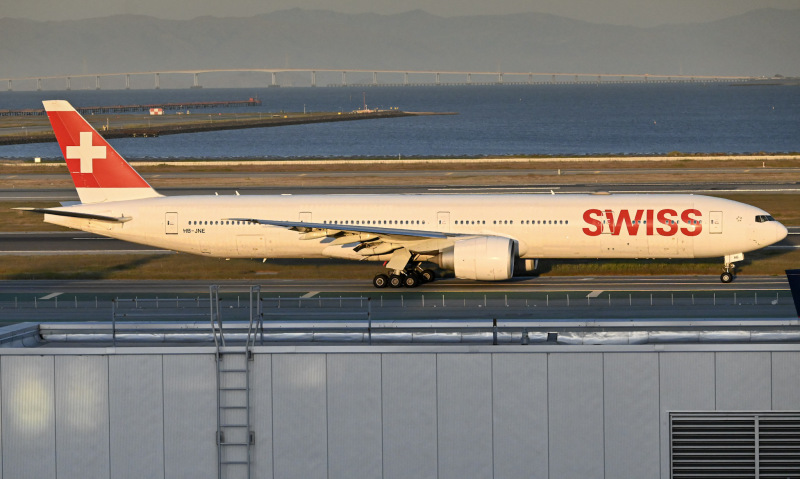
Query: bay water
column 491, row 120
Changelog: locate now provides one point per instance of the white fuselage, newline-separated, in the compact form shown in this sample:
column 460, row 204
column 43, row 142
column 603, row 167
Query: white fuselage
column 544, row 226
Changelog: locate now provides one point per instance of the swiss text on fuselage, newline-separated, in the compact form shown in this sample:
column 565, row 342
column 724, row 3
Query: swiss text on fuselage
column 665, row 222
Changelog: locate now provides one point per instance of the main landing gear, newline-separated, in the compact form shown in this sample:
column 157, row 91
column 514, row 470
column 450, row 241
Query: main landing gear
column 410, row 278
column 729, row 274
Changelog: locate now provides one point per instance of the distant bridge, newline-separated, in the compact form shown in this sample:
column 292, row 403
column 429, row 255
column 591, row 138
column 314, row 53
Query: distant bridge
column 397, row 77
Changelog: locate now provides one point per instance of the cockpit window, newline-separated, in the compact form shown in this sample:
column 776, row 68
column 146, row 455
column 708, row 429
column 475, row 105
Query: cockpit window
column 764, row 218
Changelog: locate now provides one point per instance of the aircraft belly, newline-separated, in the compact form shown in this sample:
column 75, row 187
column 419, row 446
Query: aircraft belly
column 623, row 246
column 676, row 246
column 564, row 246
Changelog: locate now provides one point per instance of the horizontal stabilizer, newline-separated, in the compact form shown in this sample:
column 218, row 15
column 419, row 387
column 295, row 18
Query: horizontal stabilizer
column 75, row 214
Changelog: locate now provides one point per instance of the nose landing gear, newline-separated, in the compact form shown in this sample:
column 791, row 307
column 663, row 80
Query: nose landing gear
column 726, row 277
column 729, row 274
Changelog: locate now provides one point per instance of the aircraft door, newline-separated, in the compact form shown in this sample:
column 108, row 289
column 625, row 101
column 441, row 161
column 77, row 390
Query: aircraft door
column 715, row 222
column 171, row 224
column 305, row 217
column 443, row 221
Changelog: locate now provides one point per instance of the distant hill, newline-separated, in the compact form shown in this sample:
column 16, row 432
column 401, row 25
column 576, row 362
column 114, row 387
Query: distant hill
column 761, row 42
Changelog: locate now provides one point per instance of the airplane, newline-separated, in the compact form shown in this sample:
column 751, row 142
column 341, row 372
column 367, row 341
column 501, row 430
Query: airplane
column 478, row 237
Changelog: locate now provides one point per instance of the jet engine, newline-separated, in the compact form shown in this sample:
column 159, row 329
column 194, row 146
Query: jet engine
column 486, row 258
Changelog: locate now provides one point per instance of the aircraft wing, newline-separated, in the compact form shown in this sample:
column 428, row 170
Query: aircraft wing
column 371, row 239
column 305, row 227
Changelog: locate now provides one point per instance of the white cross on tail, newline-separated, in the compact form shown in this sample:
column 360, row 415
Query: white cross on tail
column 86, row 152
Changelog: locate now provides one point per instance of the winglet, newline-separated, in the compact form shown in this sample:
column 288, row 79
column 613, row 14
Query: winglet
column 100, row 174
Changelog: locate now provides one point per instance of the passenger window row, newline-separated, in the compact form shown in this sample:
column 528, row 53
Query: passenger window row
column 219, row 222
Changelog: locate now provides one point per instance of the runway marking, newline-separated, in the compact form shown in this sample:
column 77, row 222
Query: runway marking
column 51, row 296
column 29, row 198
column 594, row 294
column 495, row 188
column 310, row 295
column 730, row 190
column 85, row 252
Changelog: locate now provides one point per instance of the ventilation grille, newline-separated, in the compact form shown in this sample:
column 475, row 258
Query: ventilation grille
column 731, row 445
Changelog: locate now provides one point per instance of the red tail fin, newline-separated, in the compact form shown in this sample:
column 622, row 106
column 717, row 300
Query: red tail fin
column 98, row 171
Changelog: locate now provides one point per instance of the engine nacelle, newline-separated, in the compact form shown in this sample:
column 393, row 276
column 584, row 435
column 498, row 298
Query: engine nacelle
column 486, row 258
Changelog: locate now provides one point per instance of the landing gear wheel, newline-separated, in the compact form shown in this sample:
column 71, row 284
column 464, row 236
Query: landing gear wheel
column 380, row 281
column 395, row 280
column 427, row 275
column 726, row 277
column 411, row 281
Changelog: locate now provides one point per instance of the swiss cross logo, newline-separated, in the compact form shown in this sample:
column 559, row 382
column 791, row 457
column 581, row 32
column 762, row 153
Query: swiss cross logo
column 86, row 152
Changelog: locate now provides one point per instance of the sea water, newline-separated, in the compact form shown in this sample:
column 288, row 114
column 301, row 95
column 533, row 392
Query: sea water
column 491, row 120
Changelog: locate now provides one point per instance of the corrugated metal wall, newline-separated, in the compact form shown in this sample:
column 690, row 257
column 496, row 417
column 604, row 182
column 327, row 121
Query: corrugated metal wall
column 574, row 412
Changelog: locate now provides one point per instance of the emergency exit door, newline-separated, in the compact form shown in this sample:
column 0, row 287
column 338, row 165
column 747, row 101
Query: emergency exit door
column 715, row 222
column 443, row 220
column 171, row 224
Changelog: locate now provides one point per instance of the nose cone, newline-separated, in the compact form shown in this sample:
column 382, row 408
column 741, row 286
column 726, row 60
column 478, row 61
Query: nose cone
column 780, row 232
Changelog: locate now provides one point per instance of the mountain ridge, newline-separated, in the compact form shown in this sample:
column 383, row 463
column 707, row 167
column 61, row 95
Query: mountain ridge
column 759, row 43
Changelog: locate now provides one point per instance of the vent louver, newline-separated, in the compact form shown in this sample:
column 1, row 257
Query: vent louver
column 730, row 445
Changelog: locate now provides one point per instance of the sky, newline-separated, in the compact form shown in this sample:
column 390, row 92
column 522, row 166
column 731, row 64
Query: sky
column 640, row 13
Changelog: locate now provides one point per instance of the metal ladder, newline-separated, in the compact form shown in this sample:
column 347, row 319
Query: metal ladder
column 234, row 437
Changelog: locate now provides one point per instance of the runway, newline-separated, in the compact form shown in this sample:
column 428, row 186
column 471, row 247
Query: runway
column 66, row 243
column 69, row 194
column 540, row 284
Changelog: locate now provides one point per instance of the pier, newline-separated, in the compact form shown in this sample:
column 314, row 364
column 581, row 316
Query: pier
column 91, row 110
column 37, row 130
